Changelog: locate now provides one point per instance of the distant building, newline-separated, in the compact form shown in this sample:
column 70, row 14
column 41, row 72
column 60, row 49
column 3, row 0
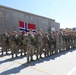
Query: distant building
column 74, row 29
column 10, row 18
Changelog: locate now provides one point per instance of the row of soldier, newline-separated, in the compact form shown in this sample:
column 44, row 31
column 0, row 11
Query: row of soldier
column 37, row 44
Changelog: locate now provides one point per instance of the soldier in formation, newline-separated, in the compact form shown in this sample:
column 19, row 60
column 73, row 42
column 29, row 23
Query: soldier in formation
column 38, row 44
column 46, row 45
column 30, row 46
column 22, row 42
column 14, row 43
column 5, row 41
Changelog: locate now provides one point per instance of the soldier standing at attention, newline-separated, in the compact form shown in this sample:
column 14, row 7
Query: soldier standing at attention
column 46, row 43
column 52, row 43
column 0, row 40
column 60, row 40
column 75, row 39
column 14, row 43
column 39, row 43
column 22, row 42
column 57, row 42
column 4, row 41
column 30, row 46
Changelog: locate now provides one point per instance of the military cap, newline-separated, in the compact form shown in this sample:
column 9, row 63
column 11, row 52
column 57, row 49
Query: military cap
column 46, row 33
column 39, row 30
column 14, row 31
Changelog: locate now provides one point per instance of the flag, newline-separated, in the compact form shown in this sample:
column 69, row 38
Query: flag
column 26, row 26
column 31, row 26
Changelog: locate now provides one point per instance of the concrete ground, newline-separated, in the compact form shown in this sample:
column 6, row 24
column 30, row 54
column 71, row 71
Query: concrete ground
column 63, row 63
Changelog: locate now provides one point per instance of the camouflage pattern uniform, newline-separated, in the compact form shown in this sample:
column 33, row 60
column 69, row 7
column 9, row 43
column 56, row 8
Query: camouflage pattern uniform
column 22, row 42
column 57, row 42
column 46, row 43
column 5, row 42
column 39, row 44
column 52, row 43
column 68, row 36
column 72, row 40
column 14, row 43
column 0, row 40
column 30, row 46
column 61, row 41
column 75, row 39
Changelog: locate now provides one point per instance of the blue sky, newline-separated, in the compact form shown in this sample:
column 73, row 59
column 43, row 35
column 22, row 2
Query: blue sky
column 63, row 11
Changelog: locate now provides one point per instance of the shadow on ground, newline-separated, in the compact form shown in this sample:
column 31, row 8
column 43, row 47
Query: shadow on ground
column 16, row 70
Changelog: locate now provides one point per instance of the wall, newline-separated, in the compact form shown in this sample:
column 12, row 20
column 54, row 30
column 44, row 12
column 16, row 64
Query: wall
column 9, row 19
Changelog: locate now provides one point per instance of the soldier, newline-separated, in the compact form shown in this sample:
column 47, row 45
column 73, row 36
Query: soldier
column 39, row 43
column 72, row 40
column 52, row 43
column 30, row 46
column 64, row 40
column 5, row 41
column 68, row 36
column 60, row 40
column 46, row 43
column 14, row 43
column 75, row 39
column 22, row 42
column 55, row 49
column 0, row 40
column 57, row 42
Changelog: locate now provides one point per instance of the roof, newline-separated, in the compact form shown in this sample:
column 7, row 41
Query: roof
column 25, row 12
column 67, row 30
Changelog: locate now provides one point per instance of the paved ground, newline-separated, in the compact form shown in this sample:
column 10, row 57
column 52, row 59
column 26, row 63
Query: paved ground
column 63, row 63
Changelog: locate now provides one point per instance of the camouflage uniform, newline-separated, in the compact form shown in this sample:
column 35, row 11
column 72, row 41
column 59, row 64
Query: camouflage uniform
column 39, row 44
column 75, row 39
column 72, row 37
column 22, row 42
column 30, row 47
column 70, row 40
column 61, row 41
column 0, row 43
column 46, row 43
column 57, row 42
column 68, row 36
column 52, row 43
column 0, row 40
column 14, row 44
column 66, row 42
column 5, row 42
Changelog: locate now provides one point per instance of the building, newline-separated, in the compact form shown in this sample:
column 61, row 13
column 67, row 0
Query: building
column 9, row 19
column 74, row 29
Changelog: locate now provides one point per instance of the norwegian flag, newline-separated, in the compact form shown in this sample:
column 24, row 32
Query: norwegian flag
column 26, row 26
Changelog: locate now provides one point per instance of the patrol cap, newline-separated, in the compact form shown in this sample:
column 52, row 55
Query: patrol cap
column 39, row 30
column 23, row 32
column 46, row 33
column 14, row 32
